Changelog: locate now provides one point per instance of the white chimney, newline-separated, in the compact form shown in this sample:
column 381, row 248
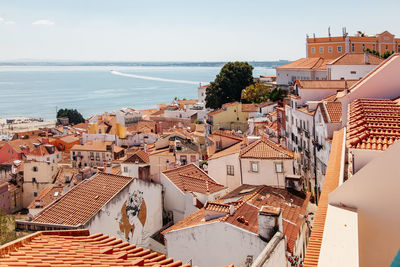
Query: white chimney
column 269, row 222
column 231, row 209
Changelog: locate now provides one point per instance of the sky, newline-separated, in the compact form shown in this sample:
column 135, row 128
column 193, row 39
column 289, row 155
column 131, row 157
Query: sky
column 206, row 30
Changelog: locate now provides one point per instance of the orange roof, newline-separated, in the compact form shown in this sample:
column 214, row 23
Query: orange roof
column 331, row 182
column 230, row 104
column 331, row 111
column 373, row 124
column 229, row 134
column 356, row 59
column 78, row 248
column 310, row 63
column 249, row 108
column 190, row 178
column 325, row 84
column 83, row 201
column 326, row 39
column 39, row 151
column 139, row 156
column 247, row 201
column 95, row 145
column 215, row 112
column 69, row 139
column 47, row 196
column 188, row 102
column 265, row 149
column 227, row 151
column 84, row 126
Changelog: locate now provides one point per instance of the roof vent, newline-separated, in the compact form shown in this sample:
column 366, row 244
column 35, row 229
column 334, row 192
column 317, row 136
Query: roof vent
column 56, row 194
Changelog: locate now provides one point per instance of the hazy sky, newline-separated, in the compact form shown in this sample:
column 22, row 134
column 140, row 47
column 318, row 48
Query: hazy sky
column 168, row 30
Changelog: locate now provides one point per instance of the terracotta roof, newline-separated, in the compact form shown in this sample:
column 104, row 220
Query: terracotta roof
column 230, row 104
column 329, row 98
column 139, row 156
column 215, row 112
column 47, row 196
column 227, row 151
column 325, row 84
column 331, row 111
column 229, row 134
column 265, row 103
column 39, row 151
column 356, row 59
column 311, row 63
column 331, row 182
column 265, row 149
column 78, row 248
column 94, row 145
column 190, row 178
column 84, row 200
column 247, row 201
column 69, row 139
column 373, row 124
column 249, row 108
column 205, row 86
column 118, row 149
column 84, row 126
column 188, row 102
column 18, row 144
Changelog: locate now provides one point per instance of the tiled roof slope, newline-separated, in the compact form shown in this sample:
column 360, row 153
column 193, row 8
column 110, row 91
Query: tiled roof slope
column 45, row 197
column 95, row 145
column 249, row 107
column 325, row 84
column 140, row 156
column 190, row 178
column 265, row 149
column 84, row 200
column 78, row 248
column 331, row 111
column 373, row 124
column 356, row 59
column 312, row 63
column 233, row 149
column 331, row 182
column 229, row 134
column 247, row 201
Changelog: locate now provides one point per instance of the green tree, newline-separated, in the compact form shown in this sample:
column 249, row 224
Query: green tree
column 387, row 54
column 256, row 93
column 277, row 94
column 72, row 114
column 229, row 83
column 7, row 228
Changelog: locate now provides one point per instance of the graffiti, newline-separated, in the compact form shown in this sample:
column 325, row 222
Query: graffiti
column 133, row 216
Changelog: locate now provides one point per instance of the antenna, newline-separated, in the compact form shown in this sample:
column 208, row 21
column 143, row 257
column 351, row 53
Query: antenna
column 329, row 31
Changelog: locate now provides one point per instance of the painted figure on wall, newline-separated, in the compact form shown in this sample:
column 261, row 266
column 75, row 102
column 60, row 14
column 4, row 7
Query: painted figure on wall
column 133, row 216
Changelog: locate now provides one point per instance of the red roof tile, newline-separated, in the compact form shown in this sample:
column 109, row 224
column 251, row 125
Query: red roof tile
column 78, row 248
column 312, row 63
column 190, row 178
column 139, row 156
column 84, row 200
column 373, row 124
column 356, row 59
column 47, row 196
column 325, row 84
column 265, row 149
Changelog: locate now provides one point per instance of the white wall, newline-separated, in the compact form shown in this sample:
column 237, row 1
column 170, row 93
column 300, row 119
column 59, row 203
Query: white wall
column 109, row 220
column 339, row 72
column 285, row 77
column 132, row 170
column 314, row 94
column 362, row 157
column 230, row 245
column 174, row 199
column 217, row 170
column 266, row 174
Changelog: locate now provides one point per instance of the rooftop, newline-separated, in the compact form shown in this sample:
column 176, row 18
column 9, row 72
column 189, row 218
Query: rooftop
column 47, row 196
column 265, row 149
column 138, row 157
column 249, row 107
column 78, row 248
column 190, row 178
column 310, row 63
column 95, row 145
column 331, row 111
column 357, row 59
column 373, row 124
column 325, row 84
column 83, row 201
column 247, row 201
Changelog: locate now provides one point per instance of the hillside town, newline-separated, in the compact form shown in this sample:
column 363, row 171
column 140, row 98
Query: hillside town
column 307, row 179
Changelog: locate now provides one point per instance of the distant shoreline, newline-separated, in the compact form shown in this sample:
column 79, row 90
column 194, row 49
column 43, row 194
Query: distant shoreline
column 267, row 64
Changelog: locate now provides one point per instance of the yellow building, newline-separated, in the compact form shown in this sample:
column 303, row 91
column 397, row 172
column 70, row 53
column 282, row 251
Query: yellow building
column 232, row 116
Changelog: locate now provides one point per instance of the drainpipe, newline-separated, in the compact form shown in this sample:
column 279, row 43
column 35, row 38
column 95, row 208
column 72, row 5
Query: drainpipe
column 240, row 166
column 315, row 164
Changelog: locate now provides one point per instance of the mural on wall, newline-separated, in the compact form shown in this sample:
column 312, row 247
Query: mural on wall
column 133, row 215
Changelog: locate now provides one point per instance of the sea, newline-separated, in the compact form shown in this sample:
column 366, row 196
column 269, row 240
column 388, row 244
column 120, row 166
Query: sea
column 38, row 91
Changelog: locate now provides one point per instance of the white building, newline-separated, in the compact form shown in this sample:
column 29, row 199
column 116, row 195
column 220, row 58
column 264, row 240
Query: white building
column 128, row 208
column 186, row 189
column 201, row 93
column 240, row 225
column 137, row 165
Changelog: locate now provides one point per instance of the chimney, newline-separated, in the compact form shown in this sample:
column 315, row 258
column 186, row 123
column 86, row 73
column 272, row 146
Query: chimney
column 366, row 58
column 269, row 222
column 231, row 209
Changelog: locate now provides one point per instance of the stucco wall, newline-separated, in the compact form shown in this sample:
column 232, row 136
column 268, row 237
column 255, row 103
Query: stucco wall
column 113, row 219
column 230, row 245
column 338, row 72
column 174, row 199
column 217, row 170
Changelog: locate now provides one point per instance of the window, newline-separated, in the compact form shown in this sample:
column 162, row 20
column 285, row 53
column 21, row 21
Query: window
column 125, row 169
column 312, row 50
column 330, row 49
column 35, row 194
column 193, row 158
column 34, row 180
column 363, row 46
column 339, row 49
column 35, row 169
column 230, row 170
column 373, row 46
column 353, row 72
column 321, row 50
column 352, row 47
column 278, row 167
column 254, row 166
column 387, row 47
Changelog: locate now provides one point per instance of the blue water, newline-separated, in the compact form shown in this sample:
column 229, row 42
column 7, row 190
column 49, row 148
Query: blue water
column 38, row 91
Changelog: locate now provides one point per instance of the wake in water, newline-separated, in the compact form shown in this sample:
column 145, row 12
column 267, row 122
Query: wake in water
column 152, row 78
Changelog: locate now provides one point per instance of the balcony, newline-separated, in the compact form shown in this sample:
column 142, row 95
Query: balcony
column 307, row 133
column 307, row 152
